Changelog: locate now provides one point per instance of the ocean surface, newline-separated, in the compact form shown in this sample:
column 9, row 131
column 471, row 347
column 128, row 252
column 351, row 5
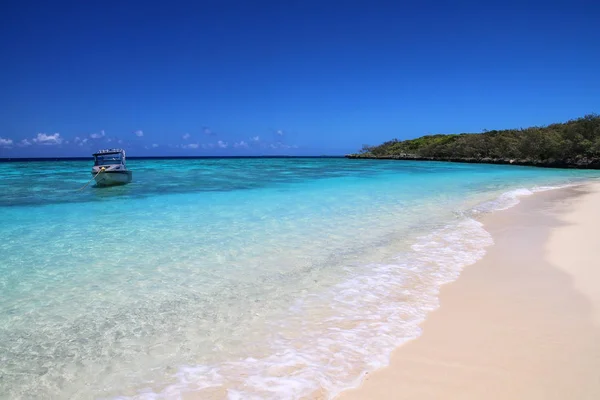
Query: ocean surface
column 233, row 278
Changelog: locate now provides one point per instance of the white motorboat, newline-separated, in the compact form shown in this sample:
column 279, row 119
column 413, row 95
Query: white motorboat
column 109, row 168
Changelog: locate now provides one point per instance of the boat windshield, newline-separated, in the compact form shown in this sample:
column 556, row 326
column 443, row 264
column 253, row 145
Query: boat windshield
column 109, row 159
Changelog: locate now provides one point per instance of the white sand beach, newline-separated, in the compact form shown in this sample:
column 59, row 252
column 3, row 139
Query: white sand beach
column 522, row 323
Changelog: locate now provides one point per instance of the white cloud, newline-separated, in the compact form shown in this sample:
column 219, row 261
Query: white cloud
column 45, row 139
column 186, row 136
column 5, row 142
column 154, row 145
column 222, row 144
column 109, row 140
column 76, row 139
column 190, row 146
column 98, row 135
column 255, row 138
column 119, row 141
column 241, row 144
column 25, row 142
column 279, row 145
column 139, row 133
column 208, row 146
column 83, row 141
column 207, row 131
column 279, row 132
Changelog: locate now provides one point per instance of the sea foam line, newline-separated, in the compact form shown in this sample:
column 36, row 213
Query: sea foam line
column 370, row 315
column 511, row 198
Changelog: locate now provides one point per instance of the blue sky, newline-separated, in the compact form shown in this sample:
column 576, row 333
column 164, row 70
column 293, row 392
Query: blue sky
column 285, row 77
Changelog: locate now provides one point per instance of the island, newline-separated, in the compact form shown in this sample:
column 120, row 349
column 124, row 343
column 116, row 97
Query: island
column 571, row 144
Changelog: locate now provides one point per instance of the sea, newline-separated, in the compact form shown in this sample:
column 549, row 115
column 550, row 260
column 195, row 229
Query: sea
column 232, row 278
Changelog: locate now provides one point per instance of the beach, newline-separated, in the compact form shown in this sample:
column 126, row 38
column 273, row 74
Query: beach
column 291, row 281
column 521, row 323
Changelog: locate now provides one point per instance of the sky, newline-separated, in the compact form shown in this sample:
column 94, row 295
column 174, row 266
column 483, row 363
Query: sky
column 285, row 77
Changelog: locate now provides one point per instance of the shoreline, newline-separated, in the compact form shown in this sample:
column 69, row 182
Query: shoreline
column 560, row 195
column 583, row 163
column 522, row 322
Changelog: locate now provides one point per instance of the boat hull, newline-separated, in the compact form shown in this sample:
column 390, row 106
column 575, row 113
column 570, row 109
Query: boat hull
column 113, row 178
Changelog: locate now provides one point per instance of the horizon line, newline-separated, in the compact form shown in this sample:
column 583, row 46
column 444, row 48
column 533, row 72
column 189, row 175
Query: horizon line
column 17, row 159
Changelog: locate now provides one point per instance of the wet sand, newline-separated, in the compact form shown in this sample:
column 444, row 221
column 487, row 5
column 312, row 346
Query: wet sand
column 522, row 323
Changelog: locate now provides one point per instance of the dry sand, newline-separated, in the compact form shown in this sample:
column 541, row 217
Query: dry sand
column 523, row 323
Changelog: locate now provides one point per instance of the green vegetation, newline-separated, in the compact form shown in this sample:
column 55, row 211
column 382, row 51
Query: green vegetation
column 575, row 143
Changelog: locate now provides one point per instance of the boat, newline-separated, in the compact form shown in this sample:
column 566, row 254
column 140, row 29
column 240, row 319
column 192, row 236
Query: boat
column 109, row 168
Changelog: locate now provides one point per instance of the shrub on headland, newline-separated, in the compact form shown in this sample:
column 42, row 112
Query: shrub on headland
column 573, row 143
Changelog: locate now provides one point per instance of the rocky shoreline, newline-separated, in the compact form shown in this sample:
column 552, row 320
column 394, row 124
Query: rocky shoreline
column 579, row 163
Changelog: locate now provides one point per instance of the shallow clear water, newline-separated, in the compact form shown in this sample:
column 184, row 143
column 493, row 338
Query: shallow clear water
column 237, row 278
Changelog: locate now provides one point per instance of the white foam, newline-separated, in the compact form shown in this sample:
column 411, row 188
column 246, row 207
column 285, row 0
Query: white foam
column 512, row 198
column 327, row 342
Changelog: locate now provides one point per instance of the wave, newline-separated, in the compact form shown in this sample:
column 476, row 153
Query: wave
column 511, row 198
column 328, row 342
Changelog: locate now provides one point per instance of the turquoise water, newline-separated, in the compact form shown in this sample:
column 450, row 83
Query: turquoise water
column 233, row 278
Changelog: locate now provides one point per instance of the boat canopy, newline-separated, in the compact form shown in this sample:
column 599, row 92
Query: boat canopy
column 109, row 157
column 109, row 151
